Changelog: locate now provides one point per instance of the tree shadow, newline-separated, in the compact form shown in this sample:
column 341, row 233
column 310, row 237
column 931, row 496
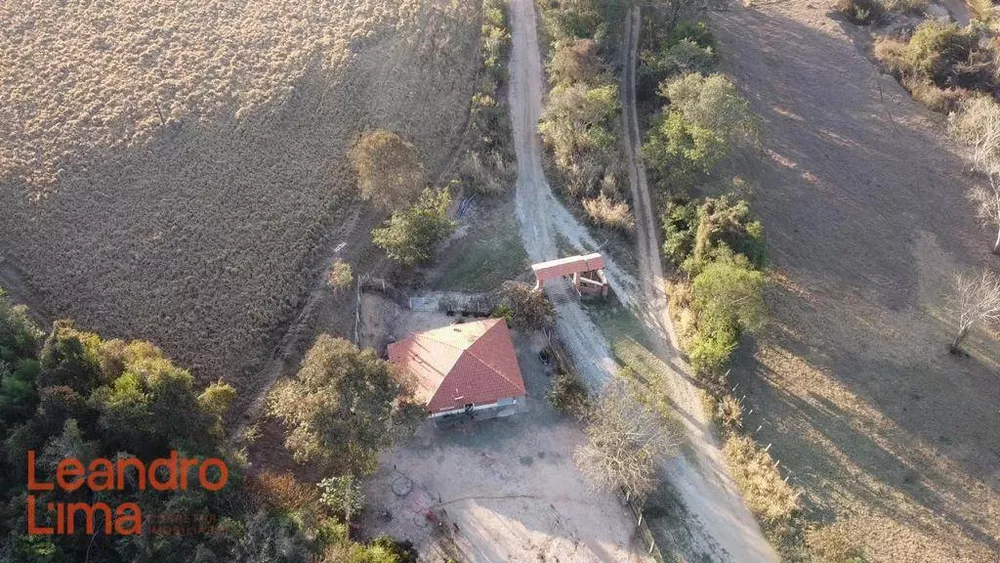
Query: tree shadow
column 208, row 237
column 863, row 201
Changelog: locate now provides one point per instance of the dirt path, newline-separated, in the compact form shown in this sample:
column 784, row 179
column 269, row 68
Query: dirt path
column 541, row 216
column 722, row 521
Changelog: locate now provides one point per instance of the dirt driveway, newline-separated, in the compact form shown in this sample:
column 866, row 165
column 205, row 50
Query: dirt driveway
column 504, row 489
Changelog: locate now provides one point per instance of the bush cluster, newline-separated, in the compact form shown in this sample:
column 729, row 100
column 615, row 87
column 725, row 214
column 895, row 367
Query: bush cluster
column 941, row 63
column 706, row 117
column 488, row 166
column 861, row 12
column 767, row 495
column 581, row 125
column 569, row 395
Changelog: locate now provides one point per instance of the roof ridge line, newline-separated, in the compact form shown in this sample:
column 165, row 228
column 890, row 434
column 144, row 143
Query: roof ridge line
column 495, row 370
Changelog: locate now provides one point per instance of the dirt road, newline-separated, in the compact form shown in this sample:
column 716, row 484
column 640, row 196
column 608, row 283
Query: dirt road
column 541, row 217
column 723, row 523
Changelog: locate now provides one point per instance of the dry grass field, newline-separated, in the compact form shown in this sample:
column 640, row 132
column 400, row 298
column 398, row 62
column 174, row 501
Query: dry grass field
column 895, row 442
column 176, row 171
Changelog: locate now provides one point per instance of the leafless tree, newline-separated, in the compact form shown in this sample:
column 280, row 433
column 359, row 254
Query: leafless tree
column 626, row 443
column 977, row 298
column 987, row 202
column 978, row 124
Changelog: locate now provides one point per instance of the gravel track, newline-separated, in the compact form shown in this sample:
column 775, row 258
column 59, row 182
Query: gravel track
column 542, row 218
column 721, row 525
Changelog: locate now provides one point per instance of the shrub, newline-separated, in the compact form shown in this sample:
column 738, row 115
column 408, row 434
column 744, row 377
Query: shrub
column 576, row 61
column 710, row 353
column 339, row 277
column 861, row 12
column 728, row 298
column 938, row 58
column 978, row 125
column 725, row 224
column 569, row 395
column 678, row 221
column 694, row 234
column 606, row 212
column 929, row 95
column 282, row 492
column 494, row 38
column 390, row 173
column 767, row 495
column 409, row 236
column 982, row 11
column 688, row 56
column 343, row 495
column 695, row 31
column 19, row 337
column 907, row 7
column 936, row 49
column 491, row 174
column 566, row 19
column 729, row 412
column 529, row 309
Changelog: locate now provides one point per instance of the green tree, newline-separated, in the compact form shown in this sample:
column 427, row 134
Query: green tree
column 409, row 236
column 342, row 407
column 579, row 118
column 706, row 118
column 343, row 495
column 528, row 309
column 728, row 297
column 19, row 337
column 680, row 152
column 390, row 173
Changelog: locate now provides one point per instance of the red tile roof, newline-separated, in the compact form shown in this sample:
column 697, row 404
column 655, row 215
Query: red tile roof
column 460, row 364
column 567, row 266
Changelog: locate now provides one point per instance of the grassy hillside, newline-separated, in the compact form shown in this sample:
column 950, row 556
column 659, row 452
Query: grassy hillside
column 175, row 171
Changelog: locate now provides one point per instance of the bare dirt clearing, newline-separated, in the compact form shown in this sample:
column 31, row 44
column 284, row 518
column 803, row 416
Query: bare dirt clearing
column 893, row 439
column 176, row 171
column 506, row 489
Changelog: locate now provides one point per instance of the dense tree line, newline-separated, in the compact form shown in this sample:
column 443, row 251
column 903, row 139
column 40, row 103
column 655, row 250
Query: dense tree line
column 73, row 394
column 581, row 120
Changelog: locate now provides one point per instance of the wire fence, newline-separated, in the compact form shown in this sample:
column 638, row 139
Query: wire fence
column 645, row 533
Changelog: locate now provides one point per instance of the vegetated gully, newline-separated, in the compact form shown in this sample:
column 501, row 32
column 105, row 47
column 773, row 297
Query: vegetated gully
column 719, row 522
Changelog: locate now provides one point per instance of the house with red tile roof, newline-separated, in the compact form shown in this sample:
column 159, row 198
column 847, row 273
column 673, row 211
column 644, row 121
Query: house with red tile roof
column 466, row 368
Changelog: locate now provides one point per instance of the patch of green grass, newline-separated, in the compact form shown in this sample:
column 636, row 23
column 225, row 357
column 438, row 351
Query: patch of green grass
column 480, row 262
column 489, row 253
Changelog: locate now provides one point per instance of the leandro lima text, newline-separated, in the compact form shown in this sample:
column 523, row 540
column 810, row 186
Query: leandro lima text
column 162, row 474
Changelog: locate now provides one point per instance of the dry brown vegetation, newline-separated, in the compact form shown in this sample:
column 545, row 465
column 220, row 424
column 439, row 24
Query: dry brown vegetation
column 894, row 441
column 177, row 171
